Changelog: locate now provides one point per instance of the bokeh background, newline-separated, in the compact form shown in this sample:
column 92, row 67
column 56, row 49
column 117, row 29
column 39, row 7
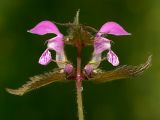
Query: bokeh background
column 129, row 99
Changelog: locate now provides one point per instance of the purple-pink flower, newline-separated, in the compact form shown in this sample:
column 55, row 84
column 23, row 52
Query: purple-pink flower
column 56, row 43
column 102, row 44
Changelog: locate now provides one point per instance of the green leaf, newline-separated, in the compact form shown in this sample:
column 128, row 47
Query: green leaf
column 125, row 71
column 39, row 81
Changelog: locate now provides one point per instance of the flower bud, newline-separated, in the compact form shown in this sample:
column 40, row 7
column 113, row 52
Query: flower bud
column 88, row 69
column 68, row 69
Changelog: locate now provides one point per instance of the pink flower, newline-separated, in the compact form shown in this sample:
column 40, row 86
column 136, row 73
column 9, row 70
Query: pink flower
column 102, row 44
column 55, row 43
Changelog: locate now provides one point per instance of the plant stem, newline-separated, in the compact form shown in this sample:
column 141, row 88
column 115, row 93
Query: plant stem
column 79, row 101
column 79, row 82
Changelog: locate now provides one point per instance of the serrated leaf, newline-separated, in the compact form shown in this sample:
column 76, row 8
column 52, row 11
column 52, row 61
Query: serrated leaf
column 125, row 71
column 39, row 81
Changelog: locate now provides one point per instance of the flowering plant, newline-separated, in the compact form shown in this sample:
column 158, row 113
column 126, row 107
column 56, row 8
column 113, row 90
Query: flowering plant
column 79, row 36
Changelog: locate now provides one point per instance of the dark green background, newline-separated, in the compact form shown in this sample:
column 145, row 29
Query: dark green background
column 135, row 99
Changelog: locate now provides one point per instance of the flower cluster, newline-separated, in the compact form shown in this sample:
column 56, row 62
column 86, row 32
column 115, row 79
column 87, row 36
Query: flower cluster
column 101, row 44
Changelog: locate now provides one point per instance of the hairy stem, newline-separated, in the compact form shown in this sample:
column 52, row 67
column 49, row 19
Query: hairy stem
column 79, row 101
column 79, row 82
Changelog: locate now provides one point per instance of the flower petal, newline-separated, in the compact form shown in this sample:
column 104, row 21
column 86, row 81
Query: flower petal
column 61, row 59
column 68, row 68
column 112, row 58
column 101, row 44
column 56, row 43
column 112, row 28
column 45, row 58
column 88, row 69
column 45, row 27
column 96, row 60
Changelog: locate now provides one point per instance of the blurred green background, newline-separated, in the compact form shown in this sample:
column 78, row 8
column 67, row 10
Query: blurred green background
column 134, row 99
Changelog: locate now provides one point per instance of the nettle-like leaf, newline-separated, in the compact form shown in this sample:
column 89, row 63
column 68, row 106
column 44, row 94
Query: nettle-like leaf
column 39, row 81
column 125, row 71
